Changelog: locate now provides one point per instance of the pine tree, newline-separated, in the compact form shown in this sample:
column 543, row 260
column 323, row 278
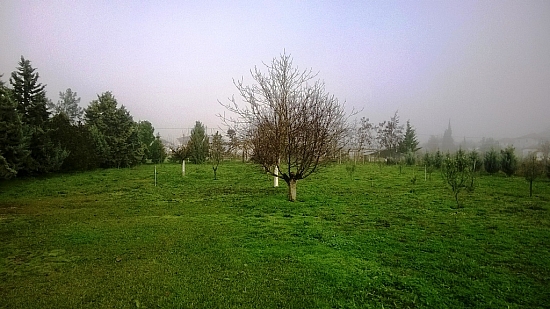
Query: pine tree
column 409, row 142
column 31, row 100
column 157, row 151
column 13, row 148
column 197, row 146
column 29, row 94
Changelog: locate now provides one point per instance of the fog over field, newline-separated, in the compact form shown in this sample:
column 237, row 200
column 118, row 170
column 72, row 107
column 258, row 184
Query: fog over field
column 483, row 65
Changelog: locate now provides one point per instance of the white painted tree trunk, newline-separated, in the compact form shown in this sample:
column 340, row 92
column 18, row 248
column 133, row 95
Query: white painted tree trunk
column 275, row 178
column 183, row 167
column 292, row 190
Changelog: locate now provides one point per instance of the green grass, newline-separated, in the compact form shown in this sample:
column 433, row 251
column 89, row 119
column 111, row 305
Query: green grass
column 111, row 239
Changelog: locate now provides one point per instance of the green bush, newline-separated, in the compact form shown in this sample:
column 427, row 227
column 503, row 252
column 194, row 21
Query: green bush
column 492, row 161
column 508, row 161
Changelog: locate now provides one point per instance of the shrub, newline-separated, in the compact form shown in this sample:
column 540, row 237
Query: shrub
column 410, row 158
column 437, row 159
column 508, row 161
column 491, row 161
column 475, row 160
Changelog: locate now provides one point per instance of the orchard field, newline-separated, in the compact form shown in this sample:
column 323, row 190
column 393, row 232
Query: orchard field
column 374, row 239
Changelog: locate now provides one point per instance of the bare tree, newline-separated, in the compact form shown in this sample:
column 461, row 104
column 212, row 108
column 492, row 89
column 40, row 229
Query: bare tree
column 390, row 134
column 290, row 121
column 364, row 137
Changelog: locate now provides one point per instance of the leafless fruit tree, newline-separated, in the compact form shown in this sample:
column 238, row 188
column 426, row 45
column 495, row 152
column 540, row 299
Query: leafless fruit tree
column 290, row 121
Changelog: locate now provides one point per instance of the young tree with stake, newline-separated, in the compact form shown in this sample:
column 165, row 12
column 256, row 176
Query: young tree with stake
column 457, row 172
column 216, row 152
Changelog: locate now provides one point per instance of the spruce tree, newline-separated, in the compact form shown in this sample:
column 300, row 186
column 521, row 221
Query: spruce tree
column 29, row 94
column 197, row 146
column 409, row 142
column 31, row 100
column 13, row 148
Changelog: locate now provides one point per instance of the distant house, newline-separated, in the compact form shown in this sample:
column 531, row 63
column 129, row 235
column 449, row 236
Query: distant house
column 527, row 144
column 523, row 142
column 530, row 151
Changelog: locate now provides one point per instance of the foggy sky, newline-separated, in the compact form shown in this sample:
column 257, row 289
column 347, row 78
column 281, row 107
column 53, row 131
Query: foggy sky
column 483, row 65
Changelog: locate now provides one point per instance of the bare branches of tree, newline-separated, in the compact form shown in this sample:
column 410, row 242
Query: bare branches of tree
column 290, row 120
column 390, row 134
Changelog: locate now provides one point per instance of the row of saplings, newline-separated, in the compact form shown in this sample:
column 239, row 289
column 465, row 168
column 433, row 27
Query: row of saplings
column 458, row 169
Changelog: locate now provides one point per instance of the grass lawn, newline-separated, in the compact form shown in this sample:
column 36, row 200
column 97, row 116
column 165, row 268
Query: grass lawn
column 111, row 239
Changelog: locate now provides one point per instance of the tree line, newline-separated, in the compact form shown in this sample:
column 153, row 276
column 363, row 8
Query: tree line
column 38, row 136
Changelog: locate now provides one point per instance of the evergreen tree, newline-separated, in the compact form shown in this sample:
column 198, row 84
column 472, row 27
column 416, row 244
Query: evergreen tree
column 29, row 94
column 146, row 135
column 114, row 132
column 31, row 100
column 438, row 159
column 491, row 161
column 448, row 143
column 157, row 151
column 77, row 140
column 410, row 141
column 13, row 150
column 410, row 158
column 197, row 146
column 508, row 161
column 428, row 162
column 102, row 150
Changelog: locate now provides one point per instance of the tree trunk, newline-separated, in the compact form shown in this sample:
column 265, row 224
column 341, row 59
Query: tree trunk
column 292, row 190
